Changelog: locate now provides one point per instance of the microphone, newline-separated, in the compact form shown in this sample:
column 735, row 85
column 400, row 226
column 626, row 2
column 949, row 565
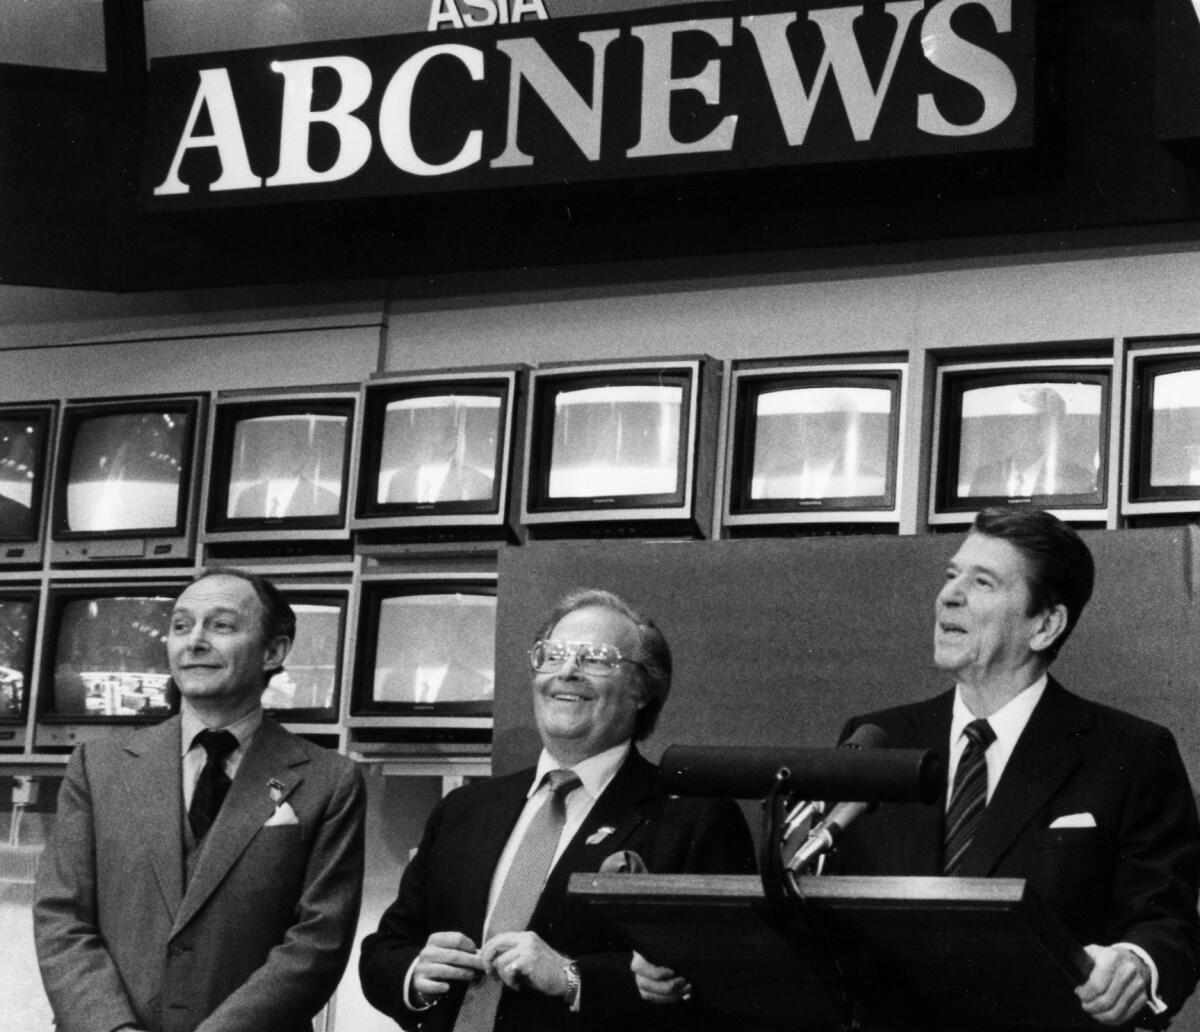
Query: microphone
column 825, row 834
column 821, row 837
column 865, row 736
column 751, row 772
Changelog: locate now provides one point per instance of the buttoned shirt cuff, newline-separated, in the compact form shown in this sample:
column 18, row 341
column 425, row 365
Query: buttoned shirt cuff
column 1153, row 1001
column 412, row 1000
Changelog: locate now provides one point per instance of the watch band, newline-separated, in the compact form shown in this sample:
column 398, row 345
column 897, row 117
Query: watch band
column 571, row 971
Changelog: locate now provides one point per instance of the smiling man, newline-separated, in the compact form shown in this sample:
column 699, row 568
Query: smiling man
column 205, row 873
column 482, row 934
column 1089, row 804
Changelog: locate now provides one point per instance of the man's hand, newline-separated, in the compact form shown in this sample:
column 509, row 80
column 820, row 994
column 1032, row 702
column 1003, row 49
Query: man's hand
column 658, row 984
column 446, row 957
column 523, row 958
column 1118, row 986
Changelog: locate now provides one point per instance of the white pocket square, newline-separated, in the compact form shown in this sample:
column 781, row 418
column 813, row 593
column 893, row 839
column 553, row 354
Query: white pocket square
column 1074, row 820
column 284, row 814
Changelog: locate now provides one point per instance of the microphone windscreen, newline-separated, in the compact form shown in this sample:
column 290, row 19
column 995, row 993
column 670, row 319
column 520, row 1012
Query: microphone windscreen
column 750, row 772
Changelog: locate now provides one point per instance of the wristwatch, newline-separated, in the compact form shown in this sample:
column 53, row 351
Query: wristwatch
column 571, row 972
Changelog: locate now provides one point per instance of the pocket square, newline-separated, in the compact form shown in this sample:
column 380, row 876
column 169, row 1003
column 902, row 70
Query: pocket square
column 1074, row 820
column 284, row 814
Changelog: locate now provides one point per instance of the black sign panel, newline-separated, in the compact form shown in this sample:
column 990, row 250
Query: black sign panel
column 663, row 91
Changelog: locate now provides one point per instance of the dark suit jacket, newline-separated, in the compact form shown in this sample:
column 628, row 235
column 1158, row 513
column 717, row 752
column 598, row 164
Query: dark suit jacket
column 1132, row 878
column 260, row 935
column 445, row 888
column 309, row 499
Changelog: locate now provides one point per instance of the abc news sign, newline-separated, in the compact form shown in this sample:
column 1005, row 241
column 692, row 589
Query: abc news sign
column 661, row 91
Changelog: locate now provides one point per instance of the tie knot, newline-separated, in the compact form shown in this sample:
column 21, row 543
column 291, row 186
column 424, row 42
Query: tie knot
column 218, row 744
column 980, row 733
column 562, row 782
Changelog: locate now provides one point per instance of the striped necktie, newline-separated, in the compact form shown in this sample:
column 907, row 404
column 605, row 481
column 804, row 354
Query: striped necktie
column 519, row 895
column 969, row 796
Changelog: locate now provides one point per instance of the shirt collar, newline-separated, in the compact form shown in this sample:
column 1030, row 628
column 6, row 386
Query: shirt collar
column 243, row 730
column 1008, row 721
column 595, row 772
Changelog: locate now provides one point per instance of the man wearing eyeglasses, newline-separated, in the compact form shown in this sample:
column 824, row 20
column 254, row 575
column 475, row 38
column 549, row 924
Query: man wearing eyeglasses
column 482, row 935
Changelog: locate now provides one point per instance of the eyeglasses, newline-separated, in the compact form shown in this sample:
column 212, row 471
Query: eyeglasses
column 597, row 658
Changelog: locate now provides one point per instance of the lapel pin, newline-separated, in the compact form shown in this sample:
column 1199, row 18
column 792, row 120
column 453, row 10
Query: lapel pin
column 275, row 789
column 600, row 835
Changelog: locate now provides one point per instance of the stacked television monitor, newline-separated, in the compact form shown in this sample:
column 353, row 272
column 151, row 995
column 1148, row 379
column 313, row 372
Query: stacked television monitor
column 18, row 633
column 26, row 438
column 621, row 448
column 104, row 658
column 814, row 445
column 1162, row 431
column 424, row 671
column 1028, row 432
column 309, row 689
column 279, row 475
column 125, row 480
column 435, row 457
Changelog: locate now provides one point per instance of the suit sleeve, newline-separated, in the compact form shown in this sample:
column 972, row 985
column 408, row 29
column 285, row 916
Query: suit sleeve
column 302, row 972
column 388, row 952
column 79, row 973
column 696, row 837
column 1157, row 872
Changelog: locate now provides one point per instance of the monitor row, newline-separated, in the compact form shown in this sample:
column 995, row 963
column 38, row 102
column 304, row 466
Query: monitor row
column 418, row 650
column 490, row 455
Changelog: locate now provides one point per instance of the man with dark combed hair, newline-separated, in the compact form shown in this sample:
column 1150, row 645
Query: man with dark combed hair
column 475, row 940
column 1090, row 805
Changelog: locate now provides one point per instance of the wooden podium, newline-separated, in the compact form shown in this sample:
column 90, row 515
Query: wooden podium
column 957, row 953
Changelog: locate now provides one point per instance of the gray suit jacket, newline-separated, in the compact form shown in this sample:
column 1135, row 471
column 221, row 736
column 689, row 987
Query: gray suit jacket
column 256, row 941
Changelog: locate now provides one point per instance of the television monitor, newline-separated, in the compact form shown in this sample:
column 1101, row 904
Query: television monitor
column 25, row 440
column 125, row 479
column 621, row 447
column 278, row 469
column 435, row 461
column 18, row 631
column 425, row 655
column 814, row 444
column 1022, row 433
column 309, row 688
column 1162, row 430
column 104, row 657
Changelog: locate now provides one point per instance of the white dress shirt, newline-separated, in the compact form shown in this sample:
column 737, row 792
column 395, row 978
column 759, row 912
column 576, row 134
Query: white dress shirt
column 194, row 756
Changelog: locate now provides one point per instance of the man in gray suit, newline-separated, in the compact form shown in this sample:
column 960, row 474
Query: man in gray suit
column 206, row 873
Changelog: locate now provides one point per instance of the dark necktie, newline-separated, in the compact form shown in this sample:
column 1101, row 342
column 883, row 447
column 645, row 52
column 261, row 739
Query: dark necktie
column 969, row 796
column 213, row 782
column 519, row 895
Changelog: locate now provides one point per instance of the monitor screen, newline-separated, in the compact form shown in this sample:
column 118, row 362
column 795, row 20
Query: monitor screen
column 427, row 650
column 615, row 440
column 125, row 469
column 307, row 688
column 24, row 436
column 1032, row 436
column 18, row 618
column 814, row 442
column 435, row 452
column 1170, row 423
column 280, row 465
column 107, row 655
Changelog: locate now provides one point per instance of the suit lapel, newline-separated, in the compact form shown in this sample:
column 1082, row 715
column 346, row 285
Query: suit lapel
column 151, row 773
column 490, row 831
column 929, row 729
column 272, row 756
column 615, row 816
column 1048, row 750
